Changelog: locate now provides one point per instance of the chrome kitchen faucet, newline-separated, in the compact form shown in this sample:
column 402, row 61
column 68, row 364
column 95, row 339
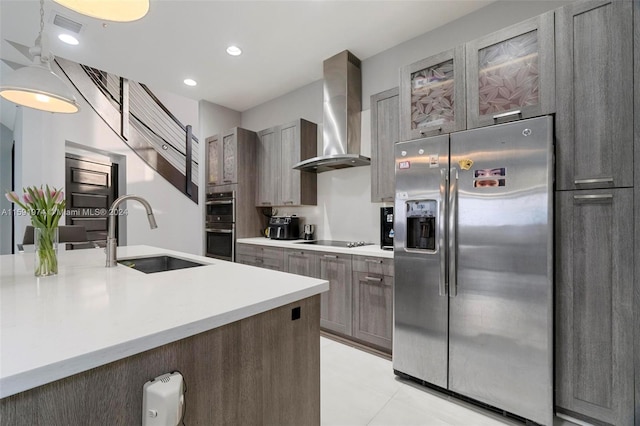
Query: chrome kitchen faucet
column 111, row 233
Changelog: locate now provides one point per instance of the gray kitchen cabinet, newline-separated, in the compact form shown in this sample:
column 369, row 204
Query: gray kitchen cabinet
column 336, row 304
column 279, row 149
column 298, row 141
column 594, row 78
column 301, row 262
column 268, row 167
column 373, row 301
column 228, row 155
column 432, row 95
column 384, row 134
column 260, row 256
column 594, row 298
column 510, row 73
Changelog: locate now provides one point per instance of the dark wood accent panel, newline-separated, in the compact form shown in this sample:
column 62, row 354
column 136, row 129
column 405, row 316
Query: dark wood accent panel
column 594, row 122
column 261, row 370
column 90, row 200
column 594, row 313
column 89, row 177
column 91, row 188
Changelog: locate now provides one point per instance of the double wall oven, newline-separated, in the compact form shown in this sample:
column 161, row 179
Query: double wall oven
column 220, row 225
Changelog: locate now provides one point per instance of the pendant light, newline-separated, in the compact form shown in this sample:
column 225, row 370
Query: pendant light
column 109, row 10
column 36, row 86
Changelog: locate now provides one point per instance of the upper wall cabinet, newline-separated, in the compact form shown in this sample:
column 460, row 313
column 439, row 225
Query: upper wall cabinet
column 510, row 73
column 432, row 98
column 279, row 149
column 227, row 153
column 384, row 135
column 594, row 125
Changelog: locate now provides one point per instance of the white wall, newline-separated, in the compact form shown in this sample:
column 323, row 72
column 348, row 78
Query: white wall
column 345, row 210
column 40, row 150
column 6, row 144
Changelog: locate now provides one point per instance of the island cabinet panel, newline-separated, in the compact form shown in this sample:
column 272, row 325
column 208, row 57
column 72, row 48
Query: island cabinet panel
column 260, row 256
column 336, row 312
column 510, row 73
column 264, row 369
column 594, row 75
column 301, row 262
column 384, row 135
column 594, row 314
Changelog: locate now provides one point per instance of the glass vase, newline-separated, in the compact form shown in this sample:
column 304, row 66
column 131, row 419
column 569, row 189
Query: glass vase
column 46, row 249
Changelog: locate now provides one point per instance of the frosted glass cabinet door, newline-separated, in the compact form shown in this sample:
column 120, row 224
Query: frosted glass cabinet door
column 511, row 74
column 432, row 98
column 213, row 160
column 229, row 161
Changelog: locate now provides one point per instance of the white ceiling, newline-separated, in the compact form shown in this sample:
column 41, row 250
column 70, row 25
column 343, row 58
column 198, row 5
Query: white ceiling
column 284, row 42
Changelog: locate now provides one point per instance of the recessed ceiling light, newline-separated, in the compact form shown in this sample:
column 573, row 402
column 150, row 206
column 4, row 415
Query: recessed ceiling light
column 189, row 82
column 234, row 50
column 69, row 39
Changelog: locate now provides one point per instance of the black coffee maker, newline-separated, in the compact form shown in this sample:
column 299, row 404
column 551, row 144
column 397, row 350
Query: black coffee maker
column 386, row 228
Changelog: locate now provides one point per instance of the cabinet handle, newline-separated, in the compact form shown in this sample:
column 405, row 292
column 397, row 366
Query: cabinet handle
column 374, row 279
column 432, row 131
column 593, row 197
column 594, row 180
column 259, row 261
column 265, row 203
column 373, row 261
column 227, row 181
column 507, row 114
column 330, row 256
column 287, row 202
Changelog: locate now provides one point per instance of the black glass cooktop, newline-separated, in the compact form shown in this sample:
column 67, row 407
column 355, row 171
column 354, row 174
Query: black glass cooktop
column 336, row 243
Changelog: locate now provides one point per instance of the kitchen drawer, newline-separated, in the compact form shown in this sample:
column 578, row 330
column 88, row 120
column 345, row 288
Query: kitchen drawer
column 373, row 265
column 245, row 250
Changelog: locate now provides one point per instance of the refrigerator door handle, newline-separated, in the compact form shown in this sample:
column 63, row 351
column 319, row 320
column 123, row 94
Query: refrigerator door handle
column 444, row 177
column 453, row 221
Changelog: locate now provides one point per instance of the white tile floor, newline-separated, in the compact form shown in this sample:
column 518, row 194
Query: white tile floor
column 358, row 388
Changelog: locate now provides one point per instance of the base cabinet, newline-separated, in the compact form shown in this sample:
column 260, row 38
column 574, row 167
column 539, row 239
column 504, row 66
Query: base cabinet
column 260, row 256
column 594, row 314
column 335, row 304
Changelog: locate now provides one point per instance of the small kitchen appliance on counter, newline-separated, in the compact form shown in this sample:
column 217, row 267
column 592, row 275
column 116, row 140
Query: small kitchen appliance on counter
column 308, row 232
column 284, row 227
column 386, row 228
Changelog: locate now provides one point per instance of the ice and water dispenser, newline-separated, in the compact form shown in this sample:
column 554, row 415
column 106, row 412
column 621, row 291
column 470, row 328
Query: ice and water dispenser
column 421, row 224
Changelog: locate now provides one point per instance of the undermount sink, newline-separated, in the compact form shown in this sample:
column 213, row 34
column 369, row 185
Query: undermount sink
column 150, row 265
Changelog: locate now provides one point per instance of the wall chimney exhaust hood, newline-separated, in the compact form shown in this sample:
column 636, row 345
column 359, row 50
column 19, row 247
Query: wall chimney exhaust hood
column 341, row 119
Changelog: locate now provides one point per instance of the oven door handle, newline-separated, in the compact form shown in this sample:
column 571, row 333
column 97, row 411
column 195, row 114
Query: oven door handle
column 219, row 202
column 220, row 231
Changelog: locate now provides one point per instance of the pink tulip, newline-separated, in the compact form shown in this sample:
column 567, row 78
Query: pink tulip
column 59, row 196
column 12, row 196
column 27, row 198
column 41, row 193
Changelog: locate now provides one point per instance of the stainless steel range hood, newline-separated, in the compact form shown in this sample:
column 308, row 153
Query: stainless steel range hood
column 341, row 121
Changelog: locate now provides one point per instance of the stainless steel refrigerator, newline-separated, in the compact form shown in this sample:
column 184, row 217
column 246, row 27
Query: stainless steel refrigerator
column 473, row 250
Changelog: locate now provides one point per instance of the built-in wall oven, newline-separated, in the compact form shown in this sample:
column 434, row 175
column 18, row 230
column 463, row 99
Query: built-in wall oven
column 220, row 225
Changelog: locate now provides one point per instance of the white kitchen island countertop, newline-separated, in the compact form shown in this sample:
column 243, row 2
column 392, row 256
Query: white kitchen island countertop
column 89, row 315
column 370, row 250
